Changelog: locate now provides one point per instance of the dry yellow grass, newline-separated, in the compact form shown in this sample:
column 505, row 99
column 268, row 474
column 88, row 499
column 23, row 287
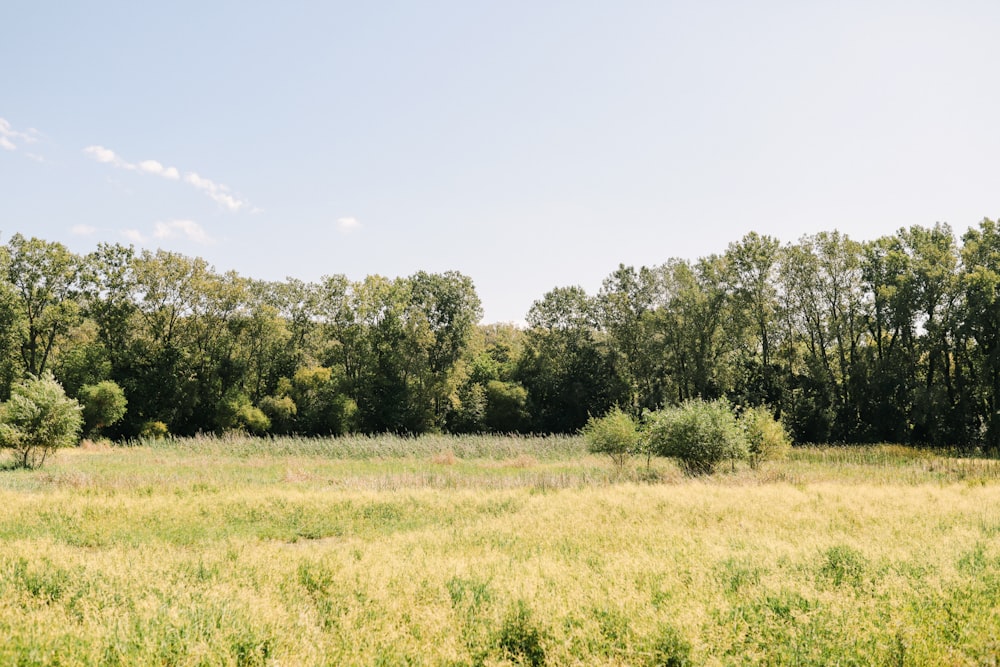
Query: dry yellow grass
column 106, row 559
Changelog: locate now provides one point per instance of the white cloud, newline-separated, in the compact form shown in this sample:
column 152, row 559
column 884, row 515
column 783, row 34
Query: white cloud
column 134, row 235
column 154, row 167
column 83, row 230
column 107, row 156
column 219, row 193
column 9, row 137
column 348, row 225
column 216, row 191
column 188, row 229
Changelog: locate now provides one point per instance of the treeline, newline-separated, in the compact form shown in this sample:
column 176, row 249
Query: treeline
column 896, row 339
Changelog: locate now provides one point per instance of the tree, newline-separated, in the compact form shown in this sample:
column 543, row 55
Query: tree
column 981, row 283
column 567, row 371
column 45, row 280
column 104, row 404
column 37, row 420
column 753, row 266
column 699, row 434
column 626, row 297
column 615, row 434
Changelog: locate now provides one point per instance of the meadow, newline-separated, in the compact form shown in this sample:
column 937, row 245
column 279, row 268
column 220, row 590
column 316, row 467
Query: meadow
column 495, row 550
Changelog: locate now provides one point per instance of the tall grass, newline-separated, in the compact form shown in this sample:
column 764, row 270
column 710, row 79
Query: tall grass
column 277, row 552
column 496, row 447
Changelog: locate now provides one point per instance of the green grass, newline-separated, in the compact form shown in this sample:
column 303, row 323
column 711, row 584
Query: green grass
column 487, row 551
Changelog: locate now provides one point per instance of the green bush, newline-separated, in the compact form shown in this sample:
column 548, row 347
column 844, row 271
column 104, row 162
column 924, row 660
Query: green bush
column 766, row 437
column 38, row 419
column 615, row 434
column 154, row 429
column 699, row 434
column 236, row 412
column 104, row 404
column 281, row 410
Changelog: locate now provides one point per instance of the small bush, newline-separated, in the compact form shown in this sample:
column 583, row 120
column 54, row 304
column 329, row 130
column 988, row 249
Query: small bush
column 699, row 434
column 767, row 438
column 281, row 410
column 38, row 419
column 154, row 429
column 615, row 434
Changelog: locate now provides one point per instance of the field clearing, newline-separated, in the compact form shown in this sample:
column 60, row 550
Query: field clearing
column 489, row 550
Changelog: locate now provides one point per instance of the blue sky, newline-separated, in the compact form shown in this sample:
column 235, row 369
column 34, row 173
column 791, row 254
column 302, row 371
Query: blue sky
column 527, row 144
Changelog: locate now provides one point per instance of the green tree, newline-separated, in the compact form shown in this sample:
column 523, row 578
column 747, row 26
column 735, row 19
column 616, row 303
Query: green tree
column 752, row 265
column 46, row 290
column 567, row 371
column 699, row 434
column 37, row 420
column 616, row 434
column 626, row 298
column 104, row 404
column 981, row 284
column 691, row 327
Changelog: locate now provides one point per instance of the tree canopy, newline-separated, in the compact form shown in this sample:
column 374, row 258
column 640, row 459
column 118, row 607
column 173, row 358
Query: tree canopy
column 893, row 339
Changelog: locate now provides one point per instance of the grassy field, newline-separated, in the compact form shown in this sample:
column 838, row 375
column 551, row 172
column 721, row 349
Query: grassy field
column 486, row 551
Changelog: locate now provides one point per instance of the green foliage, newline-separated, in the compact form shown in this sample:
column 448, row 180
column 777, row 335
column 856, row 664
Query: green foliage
column 104, row 404
column 506, row 407
column 766, row 437
column 321, row 408
column 895, row 339
column 281, row 410
column 519, row 639
column 237, row 413
column 699, row 434
column 154, row 429
column 38, row 419
column 843, row 564
column 615, row 434
column 668, row 648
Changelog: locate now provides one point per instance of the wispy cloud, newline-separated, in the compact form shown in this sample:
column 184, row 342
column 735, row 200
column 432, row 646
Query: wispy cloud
column 107, row 156
column 134, row 235
column 218, row 192
column 82, row 230
column 348, row 225
column 154, row 167
column 188, row 229
column 10, row 138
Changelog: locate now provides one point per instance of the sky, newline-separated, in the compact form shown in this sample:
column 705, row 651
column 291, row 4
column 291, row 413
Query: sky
column 528, row 144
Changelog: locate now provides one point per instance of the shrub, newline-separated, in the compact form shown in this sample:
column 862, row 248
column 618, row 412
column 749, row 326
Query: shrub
column 281, row 410
column 154, row 429
column 104, row 404
column 699, row 434
column 252, row 419
column 38, row 419
column 236, row 412
column 615, row 434
column 766, row 437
